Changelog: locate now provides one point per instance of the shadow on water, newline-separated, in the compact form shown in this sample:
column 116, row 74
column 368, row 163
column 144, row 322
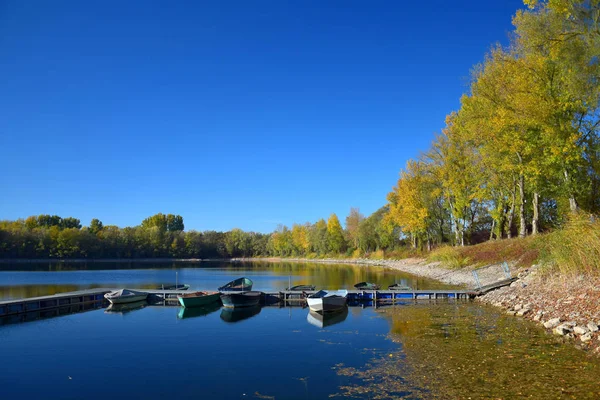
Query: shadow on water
column 459, row 351
column 126, row 307
column 185, row 312
column 239, row 314
column 52, row 313
column 327, row 319
column 30, row 280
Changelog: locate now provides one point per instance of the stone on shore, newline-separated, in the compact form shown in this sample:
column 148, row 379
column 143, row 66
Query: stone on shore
column 523, row 311
column 592, row 326
column 552, row 323
column 562, row 329
column 580, row 330
column 586, row 338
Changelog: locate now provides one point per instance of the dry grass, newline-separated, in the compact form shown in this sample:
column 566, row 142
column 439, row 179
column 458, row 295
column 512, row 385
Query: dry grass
column 574, row 250
column 523, row 252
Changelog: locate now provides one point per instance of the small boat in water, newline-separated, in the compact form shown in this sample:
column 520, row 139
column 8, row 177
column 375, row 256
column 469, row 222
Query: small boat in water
column 303, row 288
column 125, row 296
column 399, row 286
column 323, row 320
column 238, row 285
column 327, row 300
column 367, row 286
column 240, row 299
column 198, row 299
column 186, row 312
column 173, row 287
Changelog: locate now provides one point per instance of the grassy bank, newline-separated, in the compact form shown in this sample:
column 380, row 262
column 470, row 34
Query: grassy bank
column 573, row 250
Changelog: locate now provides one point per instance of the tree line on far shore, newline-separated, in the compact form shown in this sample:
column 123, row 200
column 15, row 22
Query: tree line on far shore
column 163, row 236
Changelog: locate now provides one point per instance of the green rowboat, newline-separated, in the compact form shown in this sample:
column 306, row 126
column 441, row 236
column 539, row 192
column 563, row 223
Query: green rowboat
column 198, row 299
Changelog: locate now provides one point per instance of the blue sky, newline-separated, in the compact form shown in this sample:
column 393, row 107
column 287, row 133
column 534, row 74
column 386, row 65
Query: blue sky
column 232, row 114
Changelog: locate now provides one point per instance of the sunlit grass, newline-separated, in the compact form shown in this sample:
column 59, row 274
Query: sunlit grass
column 575, row 249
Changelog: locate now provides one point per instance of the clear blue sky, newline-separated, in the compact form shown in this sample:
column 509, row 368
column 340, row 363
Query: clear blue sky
column 233, row 114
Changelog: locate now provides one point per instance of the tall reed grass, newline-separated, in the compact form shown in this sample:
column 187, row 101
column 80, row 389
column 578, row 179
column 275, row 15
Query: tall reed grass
column 575, row 249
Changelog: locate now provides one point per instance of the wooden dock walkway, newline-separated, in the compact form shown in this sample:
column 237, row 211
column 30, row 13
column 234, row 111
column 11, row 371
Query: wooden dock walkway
column 96, row 295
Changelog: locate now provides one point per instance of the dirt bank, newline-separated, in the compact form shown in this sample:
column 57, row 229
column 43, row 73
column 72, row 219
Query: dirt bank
column 416, row 266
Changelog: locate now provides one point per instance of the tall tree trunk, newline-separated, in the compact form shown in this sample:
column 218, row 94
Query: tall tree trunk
column 572, row 201
column 511, row 215
column 492, row 230
column 522, row 225
column 536, row 213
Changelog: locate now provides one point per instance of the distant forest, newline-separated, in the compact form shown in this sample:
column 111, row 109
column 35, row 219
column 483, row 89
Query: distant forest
column 519, row 157
column 51, row 236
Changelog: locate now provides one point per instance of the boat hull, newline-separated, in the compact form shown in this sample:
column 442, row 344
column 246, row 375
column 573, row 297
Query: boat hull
column 173, row 287
column 127, row 299
column 367, row 286
column 326, row 304
column 246, row 299
column 238, row 285
column 199, row 300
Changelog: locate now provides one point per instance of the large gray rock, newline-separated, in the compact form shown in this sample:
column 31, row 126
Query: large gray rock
column 552, row 323
column 592, row 326
column 562, row 330
column 580, row 330
column 523, row 311
column 586, row 338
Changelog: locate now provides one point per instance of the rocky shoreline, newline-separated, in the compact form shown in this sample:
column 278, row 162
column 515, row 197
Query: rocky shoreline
column 565, row 306
column 568, row 307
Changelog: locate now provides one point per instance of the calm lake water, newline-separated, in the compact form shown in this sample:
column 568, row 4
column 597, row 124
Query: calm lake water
column 442, row 349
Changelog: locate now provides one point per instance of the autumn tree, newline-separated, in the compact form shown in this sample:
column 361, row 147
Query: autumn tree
column 335, row 234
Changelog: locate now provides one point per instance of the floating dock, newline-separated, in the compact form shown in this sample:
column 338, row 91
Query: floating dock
column 94, row 298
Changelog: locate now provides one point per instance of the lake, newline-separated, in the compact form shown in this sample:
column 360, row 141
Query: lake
column 417, row 350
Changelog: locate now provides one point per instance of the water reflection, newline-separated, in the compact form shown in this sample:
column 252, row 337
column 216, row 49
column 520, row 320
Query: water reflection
column 327, row 319
column 239, row 314
column 126, row 307
column 186, row 312
column 30, row 281
column 46, row 314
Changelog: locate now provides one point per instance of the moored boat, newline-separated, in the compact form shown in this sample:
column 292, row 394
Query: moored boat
column 399, row 286
column 173, row 287
column 238, row 285
column 198, row 299
column 242, row 299
column 303, row 288
column 327, row 300
column 125, row 296
column 367, row 286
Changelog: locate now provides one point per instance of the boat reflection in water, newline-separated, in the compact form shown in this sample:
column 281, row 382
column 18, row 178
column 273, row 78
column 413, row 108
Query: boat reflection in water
column 125, row 307
column 186, row 312
column 239, row 314
column 322, row 320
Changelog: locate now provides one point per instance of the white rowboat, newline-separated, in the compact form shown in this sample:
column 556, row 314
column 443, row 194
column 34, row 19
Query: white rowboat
column 327, row 300
column 125, row 296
